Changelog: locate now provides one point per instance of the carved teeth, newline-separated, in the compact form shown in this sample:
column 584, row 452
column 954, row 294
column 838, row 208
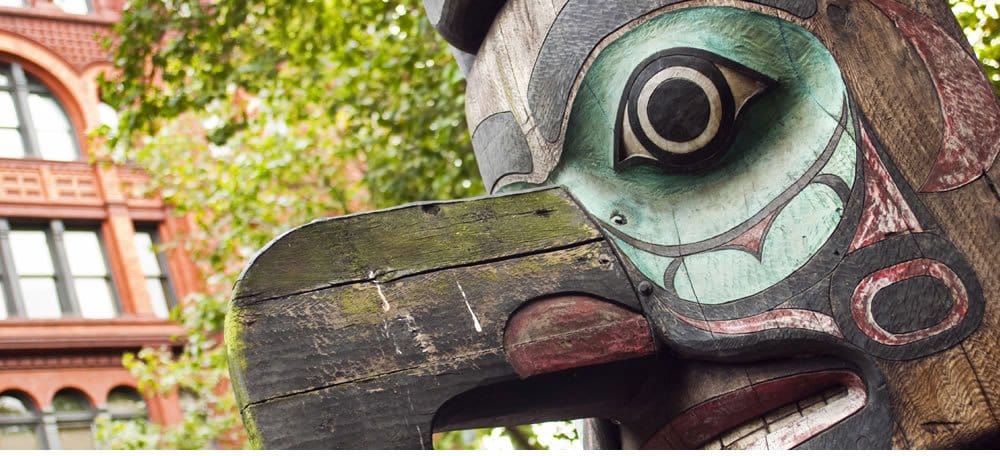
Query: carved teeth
column 753, row 433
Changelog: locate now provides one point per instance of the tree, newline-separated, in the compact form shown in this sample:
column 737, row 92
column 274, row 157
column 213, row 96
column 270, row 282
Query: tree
column 981, row 22
column 255, row 116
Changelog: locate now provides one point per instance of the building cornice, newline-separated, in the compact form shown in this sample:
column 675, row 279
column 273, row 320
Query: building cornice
column 127, row 332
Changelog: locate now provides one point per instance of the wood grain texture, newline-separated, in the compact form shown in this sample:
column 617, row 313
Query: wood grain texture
column 501, row 149
column 938, row 401
column 397, row 243
column 375, row 330
column 961, row 387
column 970, row 218
column 971, row 141
column 872, row 55
column 367, row 361
column 499, row 80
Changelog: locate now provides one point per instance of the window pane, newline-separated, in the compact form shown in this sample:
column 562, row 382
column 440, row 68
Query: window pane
column 46, row 112
column 83, row 249
column 31, row 252
column 94, row 296
column 52, row 127
column 8, row 112
column 126, row 401
column 11, row 405
column 3, row 307
column 69, row 400
column 158, row 297
column 76, row 436
column 24, row 434
column 73, row 6
column 40, row 298
column 56, row 145
column 11, row 145
column 19, row 437
column 147, row 256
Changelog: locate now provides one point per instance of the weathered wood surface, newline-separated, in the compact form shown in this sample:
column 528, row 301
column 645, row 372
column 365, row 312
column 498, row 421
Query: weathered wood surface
column 411, row 240
column 949, row 400
column 444, row 298
column 901, row 71
column 326, row 355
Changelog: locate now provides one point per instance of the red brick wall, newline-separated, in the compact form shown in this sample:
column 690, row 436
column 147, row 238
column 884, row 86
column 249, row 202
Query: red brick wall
column 40, row 358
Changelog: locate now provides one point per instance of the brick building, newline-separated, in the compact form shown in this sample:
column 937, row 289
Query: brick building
column 79, row 282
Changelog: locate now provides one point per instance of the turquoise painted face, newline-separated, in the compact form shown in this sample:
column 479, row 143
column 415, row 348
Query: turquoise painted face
column 763, row 208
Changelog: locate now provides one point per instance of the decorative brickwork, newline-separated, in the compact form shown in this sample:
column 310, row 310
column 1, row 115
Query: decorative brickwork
column 68, row 184
column 41, row 357
column 73, row 41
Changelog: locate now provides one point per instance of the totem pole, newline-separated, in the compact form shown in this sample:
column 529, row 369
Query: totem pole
column 714, row 224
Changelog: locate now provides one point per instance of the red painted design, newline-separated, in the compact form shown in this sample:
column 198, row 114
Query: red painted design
column 753, row 239
column 886, row 212
column 971, row 115
column 864, row 294
column 774, row 319
column 559, row 333
column 701, row 423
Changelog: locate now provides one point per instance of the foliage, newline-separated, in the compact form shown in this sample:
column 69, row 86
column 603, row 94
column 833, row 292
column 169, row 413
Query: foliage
column 981, row 22
column 254, row 116
column 560, row 435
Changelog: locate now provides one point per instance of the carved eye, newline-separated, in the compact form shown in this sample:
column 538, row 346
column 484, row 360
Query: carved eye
column 680, row 107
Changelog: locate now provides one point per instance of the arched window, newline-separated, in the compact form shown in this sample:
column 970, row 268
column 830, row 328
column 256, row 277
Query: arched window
column 32, row 122
column 20, row 422
column 125, row 403
column 74, row 420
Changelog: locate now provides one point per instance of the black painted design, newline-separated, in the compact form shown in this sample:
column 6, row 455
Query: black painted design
column 819, row 266
column 913, row 304
column 463, row 23
column 679, row 110
column 836, row 183
column 781, row 200
column 889, row 252
column 826, row 284
column 578, row 29
column 501, row 149
column 801, row 8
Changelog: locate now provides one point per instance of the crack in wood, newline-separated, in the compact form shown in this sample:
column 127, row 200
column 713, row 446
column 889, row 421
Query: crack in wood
column 363, row 379
column 393, row 277
column 992, row 185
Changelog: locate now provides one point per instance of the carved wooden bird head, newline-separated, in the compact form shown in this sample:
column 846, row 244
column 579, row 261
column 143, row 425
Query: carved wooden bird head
column 803, row 190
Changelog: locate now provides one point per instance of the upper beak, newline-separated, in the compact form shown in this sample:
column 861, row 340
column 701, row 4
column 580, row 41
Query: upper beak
column 373, row 330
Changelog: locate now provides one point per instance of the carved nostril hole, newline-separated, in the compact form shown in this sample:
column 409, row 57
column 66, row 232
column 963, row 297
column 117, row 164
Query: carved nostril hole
column 837, row 14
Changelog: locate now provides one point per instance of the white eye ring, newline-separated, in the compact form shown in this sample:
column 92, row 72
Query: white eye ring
column 714, row 118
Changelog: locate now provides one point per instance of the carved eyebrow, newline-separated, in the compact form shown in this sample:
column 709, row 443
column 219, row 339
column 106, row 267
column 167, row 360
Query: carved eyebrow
column 577, row 30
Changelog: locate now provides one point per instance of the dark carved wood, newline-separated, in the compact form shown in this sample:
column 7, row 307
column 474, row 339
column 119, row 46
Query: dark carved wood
column 338, row 342
column 818, row 272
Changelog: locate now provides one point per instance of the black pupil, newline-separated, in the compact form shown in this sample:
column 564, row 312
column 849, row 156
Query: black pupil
column 679, row 110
